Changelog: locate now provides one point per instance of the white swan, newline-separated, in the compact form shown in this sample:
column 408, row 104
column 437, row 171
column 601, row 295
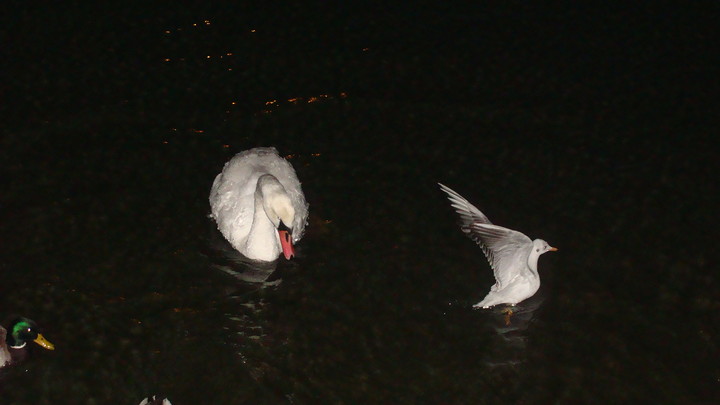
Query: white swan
column 258, row 204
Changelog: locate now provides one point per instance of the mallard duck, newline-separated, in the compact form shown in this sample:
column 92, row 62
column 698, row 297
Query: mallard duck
column 258, row 204
column 14, row 339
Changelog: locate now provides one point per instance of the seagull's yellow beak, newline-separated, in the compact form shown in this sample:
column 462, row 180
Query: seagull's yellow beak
column 40, row 339
column 553, row 249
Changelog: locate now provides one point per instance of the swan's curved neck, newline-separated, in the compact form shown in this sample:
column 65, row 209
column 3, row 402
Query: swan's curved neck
column 271, row 203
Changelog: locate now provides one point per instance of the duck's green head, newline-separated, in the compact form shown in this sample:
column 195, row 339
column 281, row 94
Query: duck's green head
column 22, row 330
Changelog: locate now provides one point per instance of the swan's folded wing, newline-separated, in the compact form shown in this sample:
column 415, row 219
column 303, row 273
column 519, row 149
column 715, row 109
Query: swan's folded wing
column 468, row 212
column 503, row 247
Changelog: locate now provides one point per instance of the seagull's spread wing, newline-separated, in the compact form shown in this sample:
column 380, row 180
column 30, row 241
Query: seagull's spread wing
column 469, row 214
column 503, row 248
column 500, row 245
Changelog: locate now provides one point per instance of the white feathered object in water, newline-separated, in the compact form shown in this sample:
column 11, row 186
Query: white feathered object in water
column 512, row 255
column 258, row 204
column 155, row 400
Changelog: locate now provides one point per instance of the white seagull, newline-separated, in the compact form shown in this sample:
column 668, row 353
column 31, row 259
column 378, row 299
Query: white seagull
column 258, row 204
column 512, row 255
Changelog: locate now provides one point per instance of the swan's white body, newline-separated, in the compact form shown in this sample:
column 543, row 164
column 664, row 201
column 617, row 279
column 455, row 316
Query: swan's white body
column 512, row 255
column 257, row 192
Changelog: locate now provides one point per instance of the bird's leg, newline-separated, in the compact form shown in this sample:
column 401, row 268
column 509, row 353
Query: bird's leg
column 508, row 313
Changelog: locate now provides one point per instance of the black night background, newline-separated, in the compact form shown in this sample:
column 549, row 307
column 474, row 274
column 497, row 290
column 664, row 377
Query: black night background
column 590, row 127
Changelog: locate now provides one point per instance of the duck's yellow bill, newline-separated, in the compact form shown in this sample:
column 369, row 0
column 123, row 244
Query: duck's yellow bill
column 43, row 342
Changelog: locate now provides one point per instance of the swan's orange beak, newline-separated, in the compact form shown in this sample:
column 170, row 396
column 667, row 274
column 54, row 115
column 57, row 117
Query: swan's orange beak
column 553, row 249
column 286, row 243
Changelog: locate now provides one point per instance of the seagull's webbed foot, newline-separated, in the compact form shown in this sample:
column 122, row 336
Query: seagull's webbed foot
column 508, row 313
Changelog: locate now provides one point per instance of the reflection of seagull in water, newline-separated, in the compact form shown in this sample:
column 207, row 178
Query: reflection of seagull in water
column 509, row 345
column 523, row 313
column 512, row 255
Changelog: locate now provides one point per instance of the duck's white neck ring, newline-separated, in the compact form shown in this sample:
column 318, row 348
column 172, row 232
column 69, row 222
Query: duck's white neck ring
column 19, row 347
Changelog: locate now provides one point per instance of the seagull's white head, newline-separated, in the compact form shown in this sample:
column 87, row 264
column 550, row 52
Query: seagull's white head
column 540, row 247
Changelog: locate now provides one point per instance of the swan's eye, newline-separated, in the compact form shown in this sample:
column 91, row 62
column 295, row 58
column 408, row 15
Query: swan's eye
column 537, row 250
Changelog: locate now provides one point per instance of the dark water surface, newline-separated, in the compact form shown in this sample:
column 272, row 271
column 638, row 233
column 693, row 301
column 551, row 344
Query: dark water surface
column 589, row 128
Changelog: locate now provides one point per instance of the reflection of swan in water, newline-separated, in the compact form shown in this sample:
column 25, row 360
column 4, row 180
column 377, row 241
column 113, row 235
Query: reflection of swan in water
column 510, row 343
column 250, row 271
column 223, row 257
column 245, row 302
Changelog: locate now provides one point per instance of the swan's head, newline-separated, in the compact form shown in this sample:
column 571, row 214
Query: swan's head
column 540, row 247
column 279, row 209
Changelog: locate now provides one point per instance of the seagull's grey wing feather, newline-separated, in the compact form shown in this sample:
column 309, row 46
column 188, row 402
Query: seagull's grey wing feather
column 503, row 248
column 468, row 212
